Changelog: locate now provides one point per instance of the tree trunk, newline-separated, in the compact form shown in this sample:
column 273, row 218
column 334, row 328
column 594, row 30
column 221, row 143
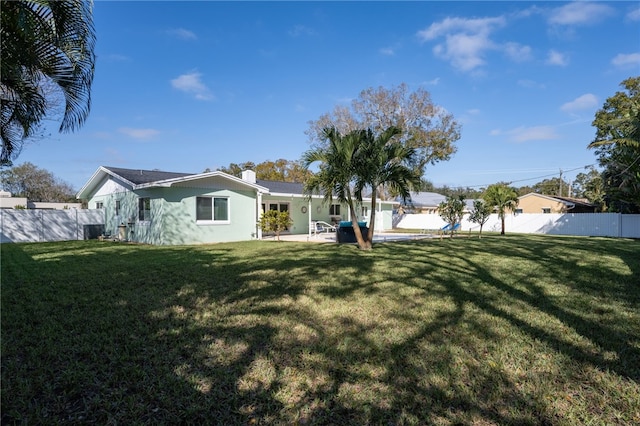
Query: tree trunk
column 502, row 222
column 372, row 217
column 364, row 245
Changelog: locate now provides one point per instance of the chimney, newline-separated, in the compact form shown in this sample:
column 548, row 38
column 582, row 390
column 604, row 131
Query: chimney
column 249, row 176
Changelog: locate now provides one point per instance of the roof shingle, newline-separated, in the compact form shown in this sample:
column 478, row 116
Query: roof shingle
column 139, row 176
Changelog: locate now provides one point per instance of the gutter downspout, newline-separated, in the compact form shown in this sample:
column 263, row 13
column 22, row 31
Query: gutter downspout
column 257, row 215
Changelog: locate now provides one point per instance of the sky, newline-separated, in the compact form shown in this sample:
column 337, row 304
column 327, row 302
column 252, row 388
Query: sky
column 186, row 86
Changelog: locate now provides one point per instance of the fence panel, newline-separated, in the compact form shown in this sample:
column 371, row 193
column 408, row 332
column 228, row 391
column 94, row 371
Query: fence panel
column 46, row 225
column 20, row 226
column 585, row 224
column 630, row 225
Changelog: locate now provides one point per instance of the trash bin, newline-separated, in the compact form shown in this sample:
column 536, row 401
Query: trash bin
column 122, row 232
column 346, row 234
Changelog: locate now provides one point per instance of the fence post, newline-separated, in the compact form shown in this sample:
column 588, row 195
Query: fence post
column 619, row 225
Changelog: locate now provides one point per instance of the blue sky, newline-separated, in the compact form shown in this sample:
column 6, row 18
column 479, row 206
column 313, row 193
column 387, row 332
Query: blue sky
column 185, row 86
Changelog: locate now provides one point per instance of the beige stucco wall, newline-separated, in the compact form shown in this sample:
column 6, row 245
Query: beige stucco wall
column 536, row 204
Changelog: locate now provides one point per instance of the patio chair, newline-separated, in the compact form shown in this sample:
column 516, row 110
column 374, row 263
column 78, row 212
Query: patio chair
column 321, row 227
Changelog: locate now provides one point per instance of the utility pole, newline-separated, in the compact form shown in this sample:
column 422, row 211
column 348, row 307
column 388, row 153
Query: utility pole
column 560, row 185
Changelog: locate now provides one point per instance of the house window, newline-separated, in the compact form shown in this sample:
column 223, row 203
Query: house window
column 518, row 211
column 212, row 209
column 99, row 205
column 546, row 210
column 365, row 211
column 279, row 207
column 117, row 207
column 334, row 210
column 144, row 209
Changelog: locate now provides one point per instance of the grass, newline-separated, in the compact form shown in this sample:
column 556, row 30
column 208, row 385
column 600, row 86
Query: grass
column 499, row 330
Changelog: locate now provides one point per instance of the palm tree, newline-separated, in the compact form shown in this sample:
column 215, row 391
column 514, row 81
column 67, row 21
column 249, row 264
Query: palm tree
column 45, row 44
column 384, row 162
column 618, row 122
column 624, row 131
column 502, row 197
column 337, row 172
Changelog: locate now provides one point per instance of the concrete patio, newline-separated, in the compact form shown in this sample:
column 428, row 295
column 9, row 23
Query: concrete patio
column 331, row 237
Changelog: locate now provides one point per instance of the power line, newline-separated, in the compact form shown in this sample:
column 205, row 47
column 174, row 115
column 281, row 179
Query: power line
column 537, row 177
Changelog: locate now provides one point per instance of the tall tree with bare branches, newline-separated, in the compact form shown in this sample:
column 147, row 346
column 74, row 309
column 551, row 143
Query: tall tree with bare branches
column 426, row 127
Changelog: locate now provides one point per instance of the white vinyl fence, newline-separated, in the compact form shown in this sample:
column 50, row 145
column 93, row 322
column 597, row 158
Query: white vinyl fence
column 585, row 224
column 48, row 225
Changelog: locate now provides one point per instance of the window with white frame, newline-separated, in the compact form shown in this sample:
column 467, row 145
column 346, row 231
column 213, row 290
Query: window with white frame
column 117, row 207
column 546, row 210
column 279, row 207
column 99, row 205
column 144, row 209
column 334, row 210
column 212, row 209
column 365, row 211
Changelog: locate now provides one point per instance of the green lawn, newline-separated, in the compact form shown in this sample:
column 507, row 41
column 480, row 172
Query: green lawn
column 499, row 330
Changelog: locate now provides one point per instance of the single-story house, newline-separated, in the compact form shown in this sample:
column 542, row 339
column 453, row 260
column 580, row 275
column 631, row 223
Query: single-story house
column 426, row 203
column 539, row 203
column 420, row 202
column 159, row 207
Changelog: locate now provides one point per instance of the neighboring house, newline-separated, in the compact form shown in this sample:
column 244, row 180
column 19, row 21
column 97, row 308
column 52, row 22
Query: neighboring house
column 539, row 203
column 421, row 202
column 158, row 207
column 426, row 203
column 8, row 201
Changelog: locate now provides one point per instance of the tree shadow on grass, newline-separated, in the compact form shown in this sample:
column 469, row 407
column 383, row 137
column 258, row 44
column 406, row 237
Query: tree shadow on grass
column 587, row 285
column 241, row 334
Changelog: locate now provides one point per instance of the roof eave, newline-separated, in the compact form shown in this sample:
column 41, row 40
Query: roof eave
column 167, row 183
column 101, row 172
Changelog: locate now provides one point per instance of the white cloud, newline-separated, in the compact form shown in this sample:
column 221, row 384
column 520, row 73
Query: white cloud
column 626, row 60
column 557, row 58
column 518, row 52
column 634, row 15
column 192, row 84
column 388, row 51
column 587, row 101
column 182, row 34
column 469, row 26
column 534, row 133
column 464, row 51
column 579, row 13
column 142, row 134
column 466, row 40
